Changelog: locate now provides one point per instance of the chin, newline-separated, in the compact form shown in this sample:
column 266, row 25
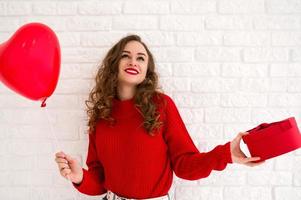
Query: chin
column 128, row 82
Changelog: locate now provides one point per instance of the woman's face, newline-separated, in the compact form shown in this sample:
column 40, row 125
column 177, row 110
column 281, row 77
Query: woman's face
column 133, row 64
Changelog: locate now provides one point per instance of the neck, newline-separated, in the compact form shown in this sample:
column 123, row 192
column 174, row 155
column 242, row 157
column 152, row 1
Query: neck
column 126, row 92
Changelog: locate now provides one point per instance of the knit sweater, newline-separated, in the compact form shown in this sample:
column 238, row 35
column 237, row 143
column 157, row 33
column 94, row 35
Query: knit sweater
column 125, row 159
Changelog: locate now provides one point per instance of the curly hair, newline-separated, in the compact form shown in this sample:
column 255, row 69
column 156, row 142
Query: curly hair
column 99, row 103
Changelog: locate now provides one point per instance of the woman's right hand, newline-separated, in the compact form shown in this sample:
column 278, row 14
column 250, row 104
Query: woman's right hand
column 69, row 167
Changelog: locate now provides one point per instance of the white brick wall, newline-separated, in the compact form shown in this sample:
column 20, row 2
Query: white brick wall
column 228, row 64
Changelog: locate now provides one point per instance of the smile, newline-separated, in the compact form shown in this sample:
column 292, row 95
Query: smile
column 131, row 71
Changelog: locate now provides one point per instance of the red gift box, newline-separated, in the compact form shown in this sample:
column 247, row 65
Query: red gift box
column 270, row 140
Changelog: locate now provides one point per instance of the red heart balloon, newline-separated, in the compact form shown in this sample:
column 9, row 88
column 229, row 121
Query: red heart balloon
column 30, row 61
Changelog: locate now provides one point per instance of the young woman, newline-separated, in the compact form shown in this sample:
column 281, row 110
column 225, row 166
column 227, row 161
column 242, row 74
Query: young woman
column 137, row 137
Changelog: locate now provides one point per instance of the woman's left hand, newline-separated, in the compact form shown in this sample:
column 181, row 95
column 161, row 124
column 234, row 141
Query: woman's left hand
column 238, row 156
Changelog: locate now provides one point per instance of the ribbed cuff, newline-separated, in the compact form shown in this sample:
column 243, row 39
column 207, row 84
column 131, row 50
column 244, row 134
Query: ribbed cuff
column 80, row 185
column 227, row 153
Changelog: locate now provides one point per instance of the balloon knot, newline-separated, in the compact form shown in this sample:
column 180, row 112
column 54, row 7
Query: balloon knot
column 44, row 103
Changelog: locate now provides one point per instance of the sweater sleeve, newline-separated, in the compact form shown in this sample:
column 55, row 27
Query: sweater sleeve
column 93, row 178
column 186, row 160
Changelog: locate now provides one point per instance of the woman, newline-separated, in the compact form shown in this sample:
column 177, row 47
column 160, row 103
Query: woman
column 137, row 137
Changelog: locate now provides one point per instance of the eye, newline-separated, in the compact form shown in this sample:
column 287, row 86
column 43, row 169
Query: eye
column 140, row 58
column 124, row 56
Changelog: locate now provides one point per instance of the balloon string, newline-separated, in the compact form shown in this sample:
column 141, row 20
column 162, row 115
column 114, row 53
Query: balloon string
column 56, row 141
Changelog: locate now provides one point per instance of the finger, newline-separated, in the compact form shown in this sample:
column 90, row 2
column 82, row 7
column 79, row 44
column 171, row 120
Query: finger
column 61, row 160
column 65, row 172
column 63, row 166
column 253, row 164
column 70, row 159
column 60, row 155
column 251, row 159
column 241, row 134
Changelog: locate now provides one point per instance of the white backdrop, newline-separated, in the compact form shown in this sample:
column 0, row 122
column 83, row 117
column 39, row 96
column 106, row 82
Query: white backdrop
column 228, row 64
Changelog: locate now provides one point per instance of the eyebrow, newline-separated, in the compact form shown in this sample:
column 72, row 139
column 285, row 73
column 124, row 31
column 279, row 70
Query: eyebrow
column 143, row 54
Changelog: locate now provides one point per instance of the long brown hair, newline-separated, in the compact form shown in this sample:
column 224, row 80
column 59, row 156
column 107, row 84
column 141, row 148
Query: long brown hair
column 99, row 104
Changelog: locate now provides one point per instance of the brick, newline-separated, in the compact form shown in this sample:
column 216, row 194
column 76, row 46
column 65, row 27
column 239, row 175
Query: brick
column 268, row 115
column 199, row 38
column 89, row 71
column 265, row 54
column 197, row 100
column 54, row 193
column 244, row 70
column 100, row 7
column 285, row 70
column 12, row 162
column 276, row 22
column 25, row 116
column 44, row 8
column 12, row 100
column 156, row 38
column 269, row 178
column 83, row 55
column 9, row 24
column 73, row 86
column 4, row 36
column 214, row 85
column 16, row 193
column 2, row 8
column 210, row 132
column 219, row 22
column 285, row 100
column 102, row 39
column 241, row 6
column 296, row 54
column 204, row 100
column 89, row 23
column 225, row 178
column 193, row 7
column 247, row 193
column 131, row 23
column 196, row 69
column 279, row 100
column 278, row 85
column 66, row 8
column 283, row 7
column 68, row 39
column 188, row 193
column 71, row 71
column 297, row 179
column 51, row 21
column 164, row 69
column 291, row 193
column 181, row 84
column 243, row 100
column 294, row 85
column 22, row 148
column 146, row 7
column 241, row 38
column 173, row 54
column 18, row 8
column 227, row 115
column 218, row 54
column 181, row 23
column 286, row 38
column 284, row 163
column 4, row 179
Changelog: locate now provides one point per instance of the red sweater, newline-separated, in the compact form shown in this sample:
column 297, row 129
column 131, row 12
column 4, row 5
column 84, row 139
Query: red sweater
column 126, row 160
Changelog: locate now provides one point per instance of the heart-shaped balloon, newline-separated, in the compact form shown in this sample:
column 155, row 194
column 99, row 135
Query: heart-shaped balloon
column 30, row 61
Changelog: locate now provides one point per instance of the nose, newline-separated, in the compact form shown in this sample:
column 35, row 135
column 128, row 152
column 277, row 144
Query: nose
column 132, row 62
